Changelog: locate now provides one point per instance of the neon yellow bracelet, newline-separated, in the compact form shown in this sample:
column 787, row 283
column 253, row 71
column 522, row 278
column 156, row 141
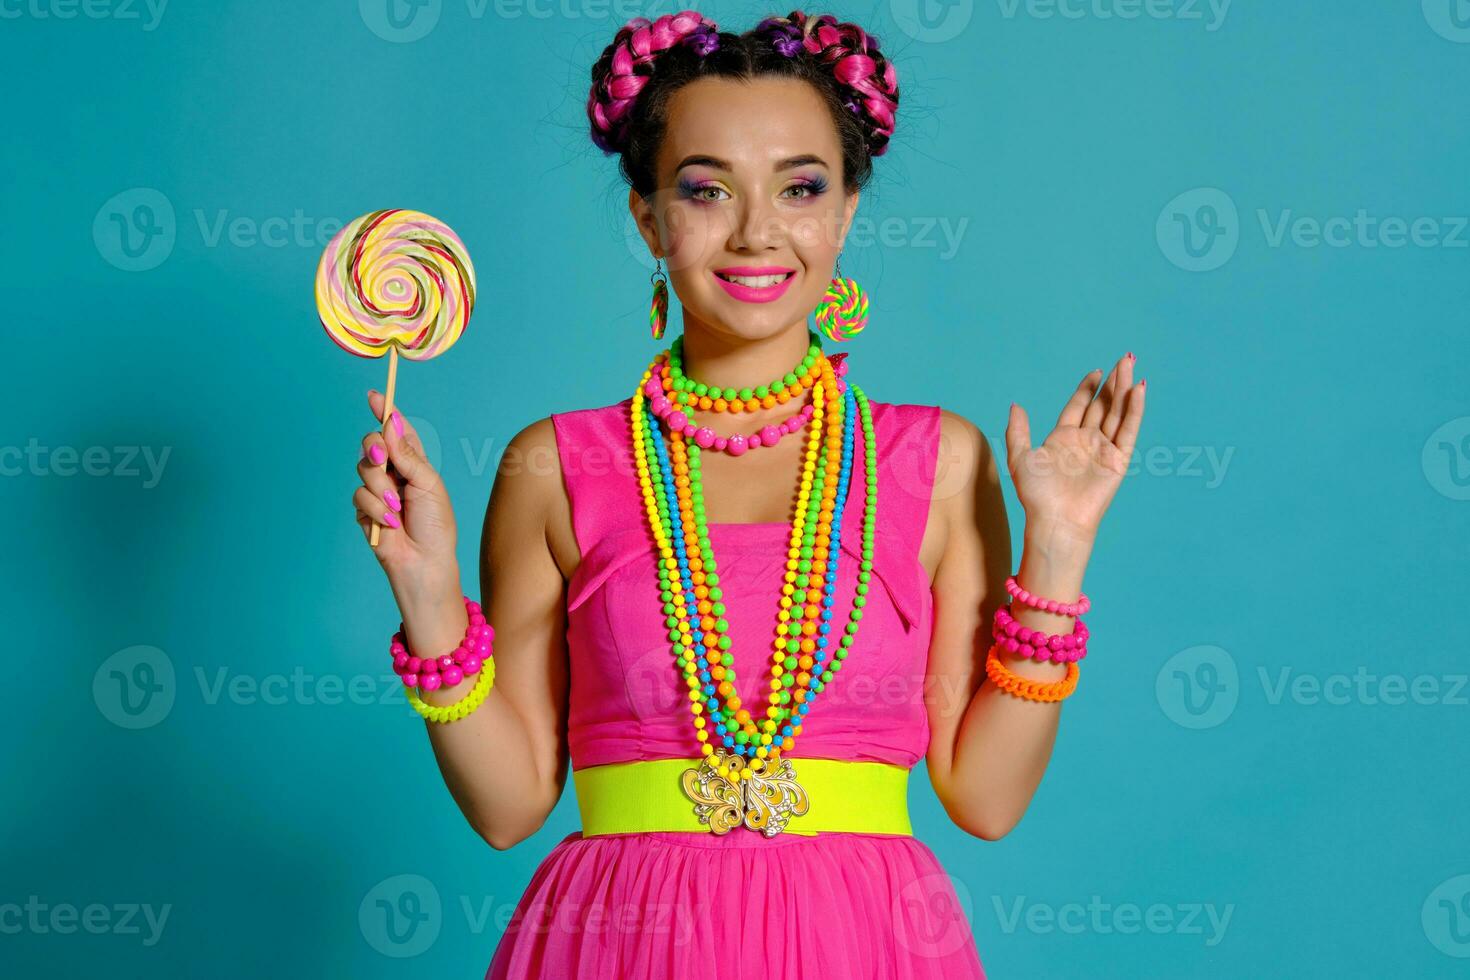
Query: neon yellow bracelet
column 444, row 713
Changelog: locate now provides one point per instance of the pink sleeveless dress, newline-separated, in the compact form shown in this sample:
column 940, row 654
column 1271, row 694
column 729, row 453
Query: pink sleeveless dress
column 741, row 906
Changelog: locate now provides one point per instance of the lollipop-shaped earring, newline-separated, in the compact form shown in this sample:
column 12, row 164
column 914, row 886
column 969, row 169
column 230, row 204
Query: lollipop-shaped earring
column 843, row 312
column 395, row 280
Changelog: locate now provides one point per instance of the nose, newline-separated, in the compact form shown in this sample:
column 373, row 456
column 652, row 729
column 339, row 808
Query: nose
column 756, row 227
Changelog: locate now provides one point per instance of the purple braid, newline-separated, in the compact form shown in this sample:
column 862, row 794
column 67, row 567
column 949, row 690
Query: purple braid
column 869, row 80
column 628, row 64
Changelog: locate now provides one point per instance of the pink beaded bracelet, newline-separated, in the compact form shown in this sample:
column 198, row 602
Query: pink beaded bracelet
column 431, row 673
column 1047, row 605
column 1023, row 641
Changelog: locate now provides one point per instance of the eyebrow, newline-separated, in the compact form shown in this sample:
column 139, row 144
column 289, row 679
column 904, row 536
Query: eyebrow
column 786, row 164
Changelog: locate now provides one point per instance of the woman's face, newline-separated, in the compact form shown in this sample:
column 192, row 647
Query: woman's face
column 749, row 213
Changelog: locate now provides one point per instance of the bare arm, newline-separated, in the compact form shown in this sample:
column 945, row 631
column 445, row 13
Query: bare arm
column 506, row 763
column 987, row 750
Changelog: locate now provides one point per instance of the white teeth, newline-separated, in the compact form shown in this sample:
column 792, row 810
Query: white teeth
column 755, row 282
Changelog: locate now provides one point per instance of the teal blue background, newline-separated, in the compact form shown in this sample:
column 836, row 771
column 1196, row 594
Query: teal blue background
column 1330, row 384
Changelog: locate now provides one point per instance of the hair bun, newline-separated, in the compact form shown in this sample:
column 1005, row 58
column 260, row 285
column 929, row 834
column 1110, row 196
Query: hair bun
column 629, row 61
column 868, row 79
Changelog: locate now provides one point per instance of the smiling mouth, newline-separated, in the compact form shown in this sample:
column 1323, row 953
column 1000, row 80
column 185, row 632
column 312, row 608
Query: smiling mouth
column 756, row 282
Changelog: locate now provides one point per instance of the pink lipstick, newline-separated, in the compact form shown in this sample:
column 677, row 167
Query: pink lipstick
column 770, row 282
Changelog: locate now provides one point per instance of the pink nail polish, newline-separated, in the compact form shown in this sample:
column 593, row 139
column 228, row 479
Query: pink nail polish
column 391, row 499
column 1131, row 357
column 397, row 423
column 390, row 519
column 1143, row 383
column 376, row 454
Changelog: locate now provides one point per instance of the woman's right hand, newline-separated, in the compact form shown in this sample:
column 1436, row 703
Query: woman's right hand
column 416, row 542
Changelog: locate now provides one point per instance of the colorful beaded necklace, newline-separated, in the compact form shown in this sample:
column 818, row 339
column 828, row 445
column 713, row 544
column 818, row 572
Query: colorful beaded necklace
column 693, row 394
column 745, row 771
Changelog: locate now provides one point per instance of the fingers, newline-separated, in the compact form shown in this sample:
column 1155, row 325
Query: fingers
column 376, row 402
column 1018, row 435
column 378, row 480
column 405, row 452
column 1077, row 404
column 376, row 509
column 1098, row 407
column 1122, row 384
column 1127, row 436
column 366, row 523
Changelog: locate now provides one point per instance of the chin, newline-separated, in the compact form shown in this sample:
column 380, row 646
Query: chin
column 749, row 324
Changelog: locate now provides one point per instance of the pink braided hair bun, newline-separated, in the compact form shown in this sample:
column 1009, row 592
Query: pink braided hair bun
column 628, row 63
column 858, row 65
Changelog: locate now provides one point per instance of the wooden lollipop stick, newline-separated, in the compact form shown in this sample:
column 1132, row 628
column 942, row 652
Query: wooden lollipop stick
column 387, row 420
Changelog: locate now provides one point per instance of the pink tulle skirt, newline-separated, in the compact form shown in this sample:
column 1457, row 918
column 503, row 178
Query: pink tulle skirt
column 675, row 906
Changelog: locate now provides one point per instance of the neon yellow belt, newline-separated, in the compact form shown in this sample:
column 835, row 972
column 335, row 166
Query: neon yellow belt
column 804, row 796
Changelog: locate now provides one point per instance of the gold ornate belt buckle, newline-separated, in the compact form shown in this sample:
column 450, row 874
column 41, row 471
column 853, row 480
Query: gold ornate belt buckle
column 752, row 794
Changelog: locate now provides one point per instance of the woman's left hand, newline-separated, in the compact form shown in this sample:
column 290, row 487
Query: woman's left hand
column 1067, row 483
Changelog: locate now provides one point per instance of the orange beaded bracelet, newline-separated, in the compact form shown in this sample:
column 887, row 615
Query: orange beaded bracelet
column 1025, row 687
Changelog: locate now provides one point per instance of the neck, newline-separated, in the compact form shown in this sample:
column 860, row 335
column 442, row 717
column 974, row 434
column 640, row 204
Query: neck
column 739, row 362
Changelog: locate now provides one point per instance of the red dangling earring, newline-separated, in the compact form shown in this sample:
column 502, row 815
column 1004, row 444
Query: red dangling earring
column 658, row 314
column 843, row 312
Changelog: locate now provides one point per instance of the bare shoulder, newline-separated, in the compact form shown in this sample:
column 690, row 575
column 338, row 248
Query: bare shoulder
column 967, row 499
column 529, row 497
column 967, row 492
column 530, row 467
column 965, row 459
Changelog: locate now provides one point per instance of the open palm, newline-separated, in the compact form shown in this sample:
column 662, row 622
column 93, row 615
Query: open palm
column 1070, row 479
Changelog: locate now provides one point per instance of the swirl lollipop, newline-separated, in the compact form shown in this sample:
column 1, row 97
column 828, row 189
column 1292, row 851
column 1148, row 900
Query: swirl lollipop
column 395, row 280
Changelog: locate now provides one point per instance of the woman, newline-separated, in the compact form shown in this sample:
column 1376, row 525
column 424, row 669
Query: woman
column 767, row 834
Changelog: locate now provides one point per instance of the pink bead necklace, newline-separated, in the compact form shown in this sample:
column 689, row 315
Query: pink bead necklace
column 736, row 445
